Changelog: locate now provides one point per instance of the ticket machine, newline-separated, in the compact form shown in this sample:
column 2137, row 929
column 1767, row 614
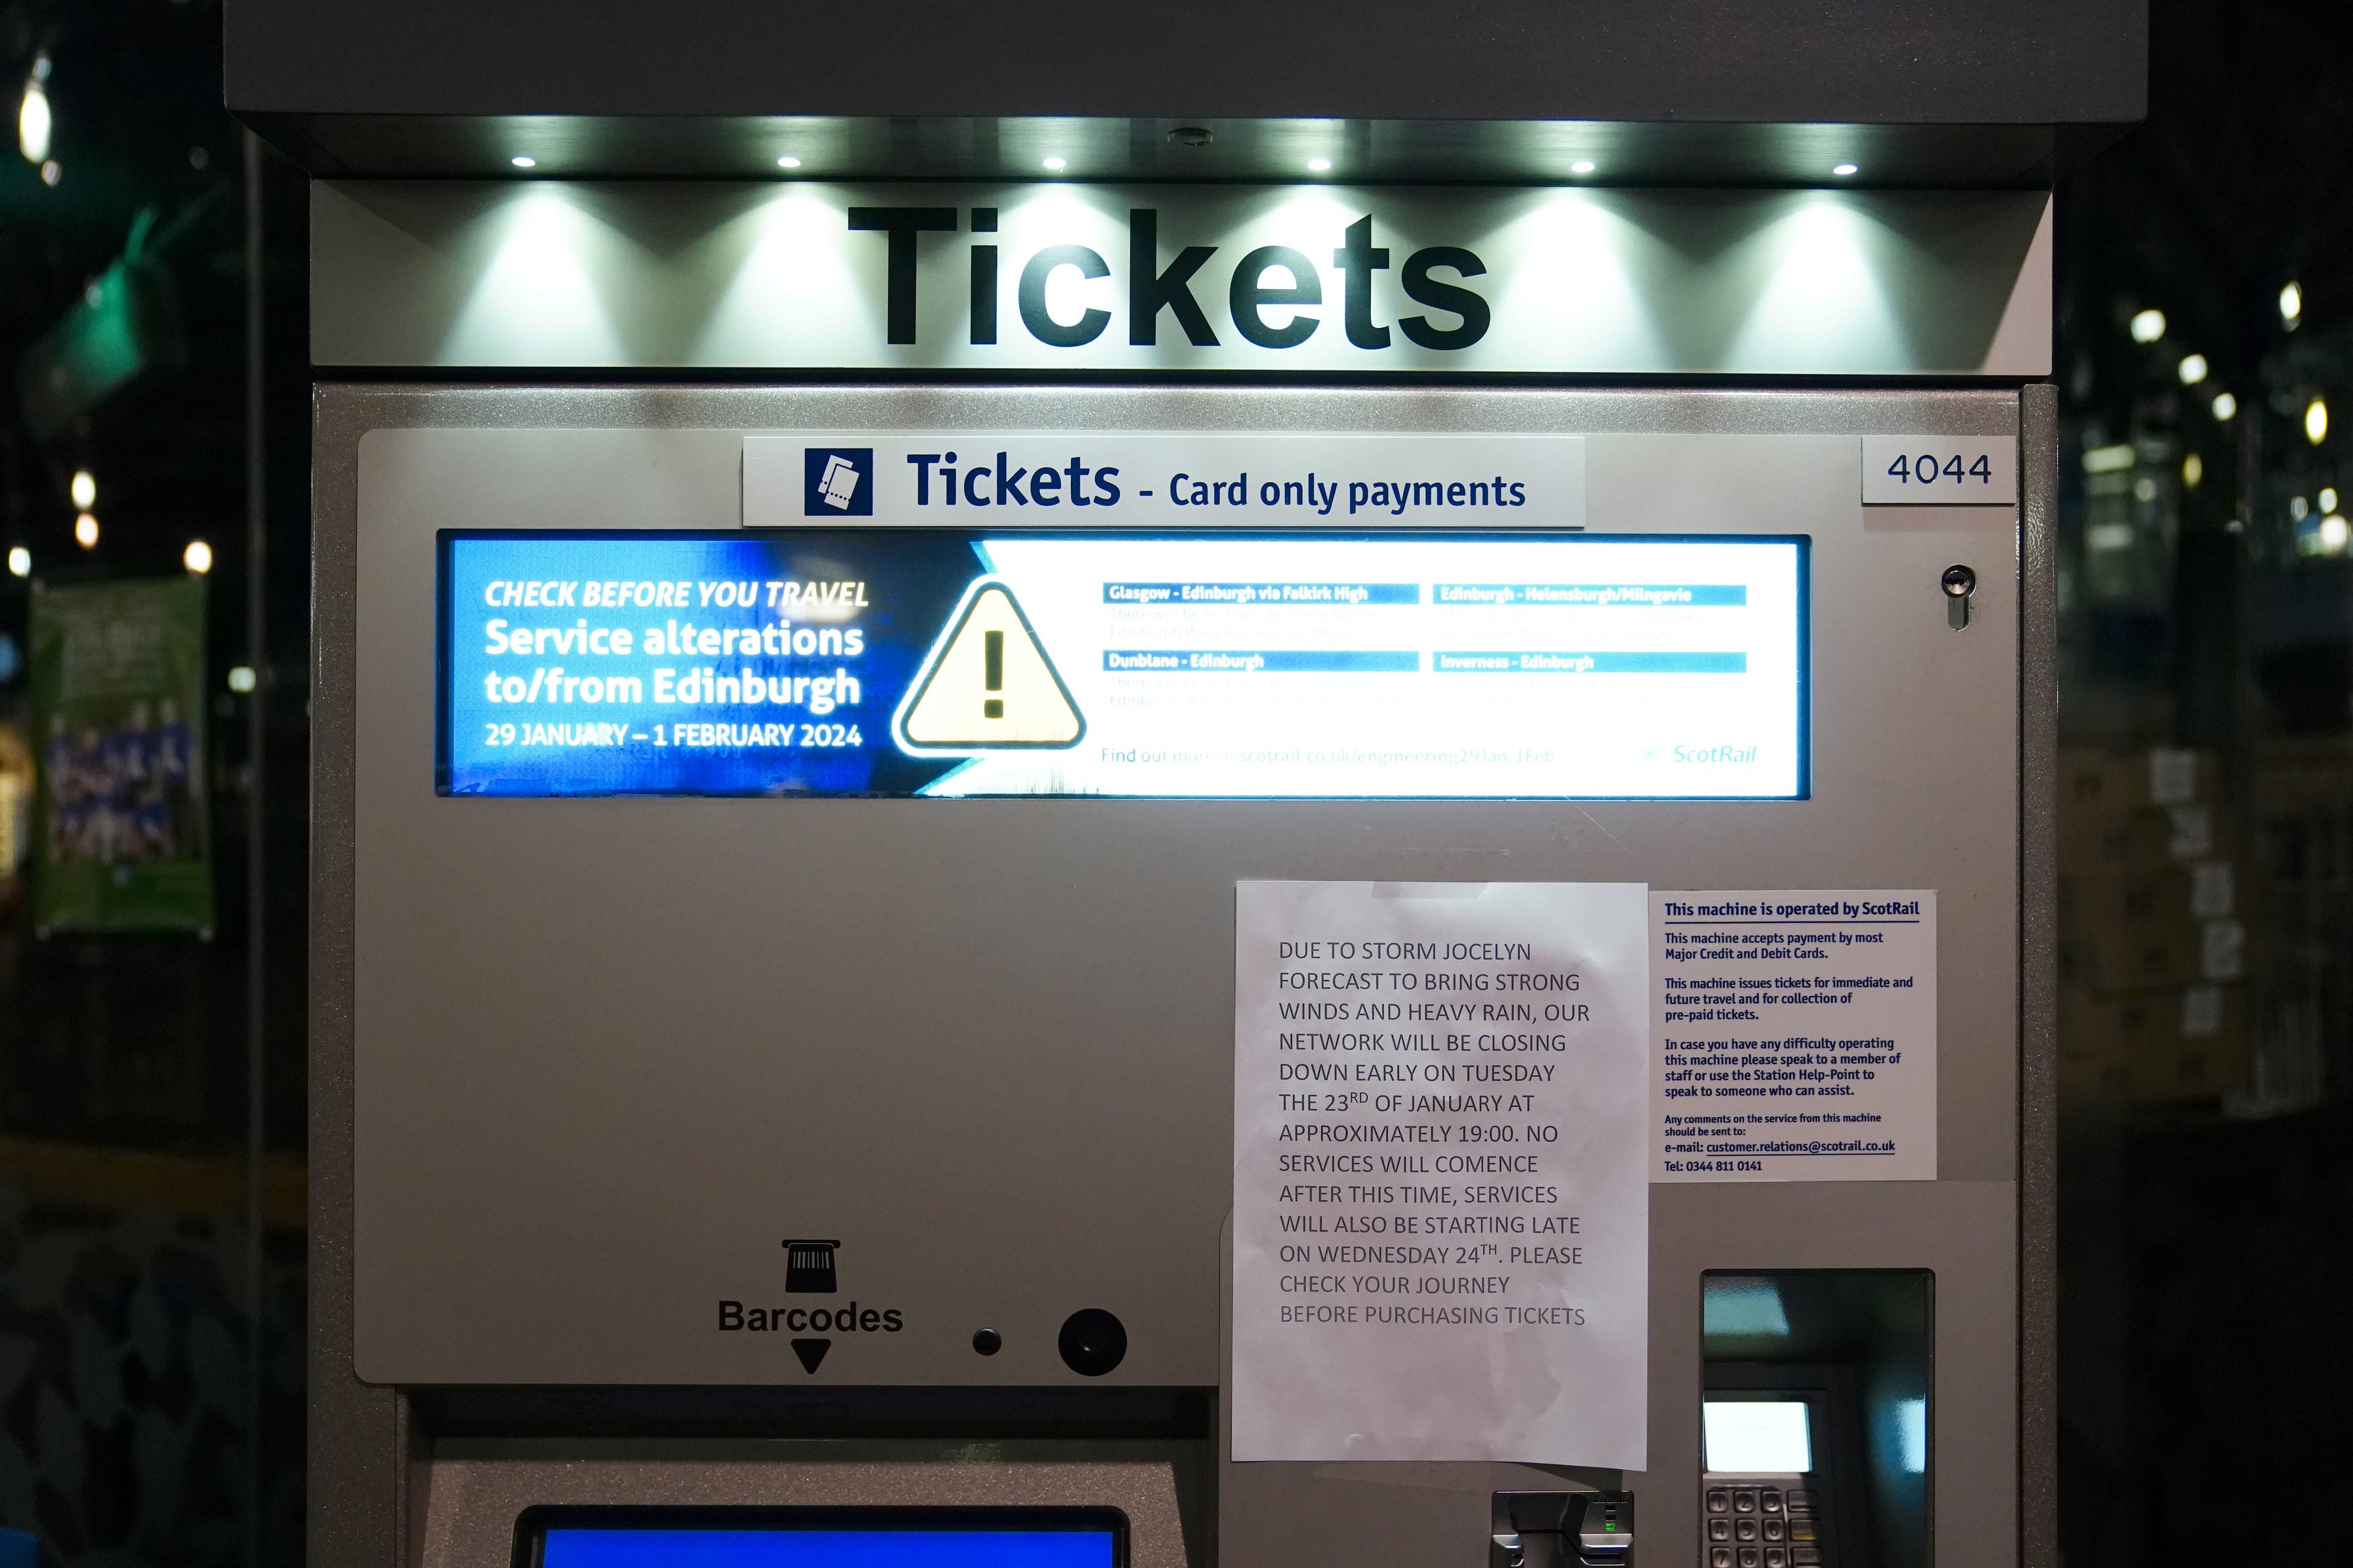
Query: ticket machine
column 1055, row 826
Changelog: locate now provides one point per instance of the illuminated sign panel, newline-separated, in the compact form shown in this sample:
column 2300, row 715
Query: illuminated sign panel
column 1058, row 277
column 946, row 662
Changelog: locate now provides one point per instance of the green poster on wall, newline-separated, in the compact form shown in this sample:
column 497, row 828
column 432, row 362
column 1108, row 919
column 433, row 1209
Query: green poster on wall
column 121, row 838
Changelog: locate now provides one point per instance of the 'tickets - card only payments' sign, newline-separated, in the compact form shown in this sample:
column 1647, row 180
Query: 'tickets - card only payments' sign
column 1441, row 1217
column 1163, row 480
column 942, row 662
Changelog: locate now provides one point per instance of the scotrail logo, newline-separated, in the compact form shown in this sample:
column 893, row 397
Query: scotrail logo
column 840, row 482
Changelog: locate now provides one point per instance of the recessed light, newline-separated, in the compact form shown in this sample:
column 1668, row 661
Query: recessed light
column 1582, row 167
column 524, row 161
column 788, row 162
column 1058, row 165
column 1844, row 170
column 1319, row 164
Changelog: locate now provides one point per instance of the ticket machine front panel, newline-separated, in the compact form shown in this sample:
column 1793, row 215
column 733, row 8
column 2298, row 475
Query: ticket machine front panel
column 622, row 1067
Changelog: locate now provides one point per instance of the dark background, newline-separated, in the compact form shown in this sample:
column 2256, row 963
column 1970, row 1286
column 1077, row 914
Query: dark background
column 2203, row 1245
column 2204, row 1241
column 127, row 1381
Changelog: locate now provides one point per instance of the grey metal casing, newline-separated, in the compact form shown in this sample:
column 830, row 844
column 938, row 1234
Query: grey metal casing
column 1676, row 91
column 558, row 1111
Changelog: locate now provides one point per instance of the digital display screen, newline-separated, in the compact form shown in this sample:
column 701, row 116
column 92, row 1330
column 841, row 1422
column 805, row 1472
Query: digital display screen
column 1758, row 1436
column 820, row 1537
column 937, row 663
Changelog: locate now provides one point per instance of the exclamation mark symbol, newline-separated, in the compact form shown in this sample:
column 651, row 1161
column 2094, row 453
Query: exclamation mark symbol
column 992, row 660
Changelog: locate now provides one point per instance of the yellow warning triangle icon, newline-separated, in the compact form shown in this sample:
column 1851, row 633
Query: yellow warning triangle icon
column 988, row 684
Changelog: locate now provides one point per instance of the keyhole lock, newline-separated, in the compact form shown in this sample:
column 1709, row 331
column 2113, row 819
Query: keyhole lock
column 1958, row 583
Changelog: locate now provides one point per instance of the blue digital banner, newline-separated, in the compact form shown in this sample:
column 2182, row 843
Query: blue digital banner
column 792, row 1548
column 685, row 664
column 906, row 661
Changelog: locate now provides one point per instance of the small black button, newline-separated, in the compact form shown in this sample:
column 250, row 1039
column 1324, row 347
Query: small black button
column 1719, row 1502
column 1744, row 1530
column 1744, row 1502
column 988, row 1342
column 1092, row 1341
column 1719, row 1530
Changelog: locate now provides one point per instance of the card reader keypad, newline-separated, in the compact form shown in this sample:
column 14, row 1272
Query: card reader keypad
column 1759, row 1527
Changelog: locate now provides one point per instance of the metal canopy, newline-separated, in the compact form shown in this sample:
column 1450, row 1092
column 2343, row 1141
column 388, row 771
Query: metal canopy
column 1944, row 92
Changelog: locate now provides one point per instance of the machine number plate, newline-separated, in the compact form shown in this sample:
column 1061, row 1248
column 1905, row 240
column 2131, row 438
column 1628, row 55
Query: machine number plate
column 1939, row 470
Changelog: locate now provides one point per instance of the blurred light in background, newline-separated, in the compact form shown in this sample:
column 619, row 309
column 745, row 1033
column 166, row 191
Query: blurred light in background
column 2316, row 421
column 2148, row 326
column 197, row 557
column 2192, row 369
column 20, row 561
column 2291, row 305
column 86, row 531
column 2193, row 469
column 240, row 678
column 84, row 491
column 2226, row 407
column 32, row 121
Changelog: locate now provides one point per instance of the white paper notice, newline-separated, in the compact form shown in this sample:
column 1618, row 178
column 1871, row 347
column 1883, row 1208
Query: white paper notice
column 1796, row 1037
column 1441, row 1209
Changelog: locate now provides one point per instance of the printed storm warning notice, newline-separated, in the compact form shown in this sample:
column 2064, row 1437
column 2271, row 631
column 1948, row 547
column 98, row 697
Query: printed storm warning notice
column 1440, row 1217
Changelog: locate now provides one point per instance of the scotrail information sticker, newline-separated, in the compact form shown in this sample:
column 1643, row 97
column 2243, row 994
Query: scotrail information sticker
column 1796, row 1035
column 945, row 662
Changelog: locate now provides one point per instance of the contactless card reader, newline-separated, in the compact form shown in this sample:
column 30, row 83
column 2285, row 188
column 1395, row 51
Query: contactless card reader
column 1605, row 1537
column 1556, row 1530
